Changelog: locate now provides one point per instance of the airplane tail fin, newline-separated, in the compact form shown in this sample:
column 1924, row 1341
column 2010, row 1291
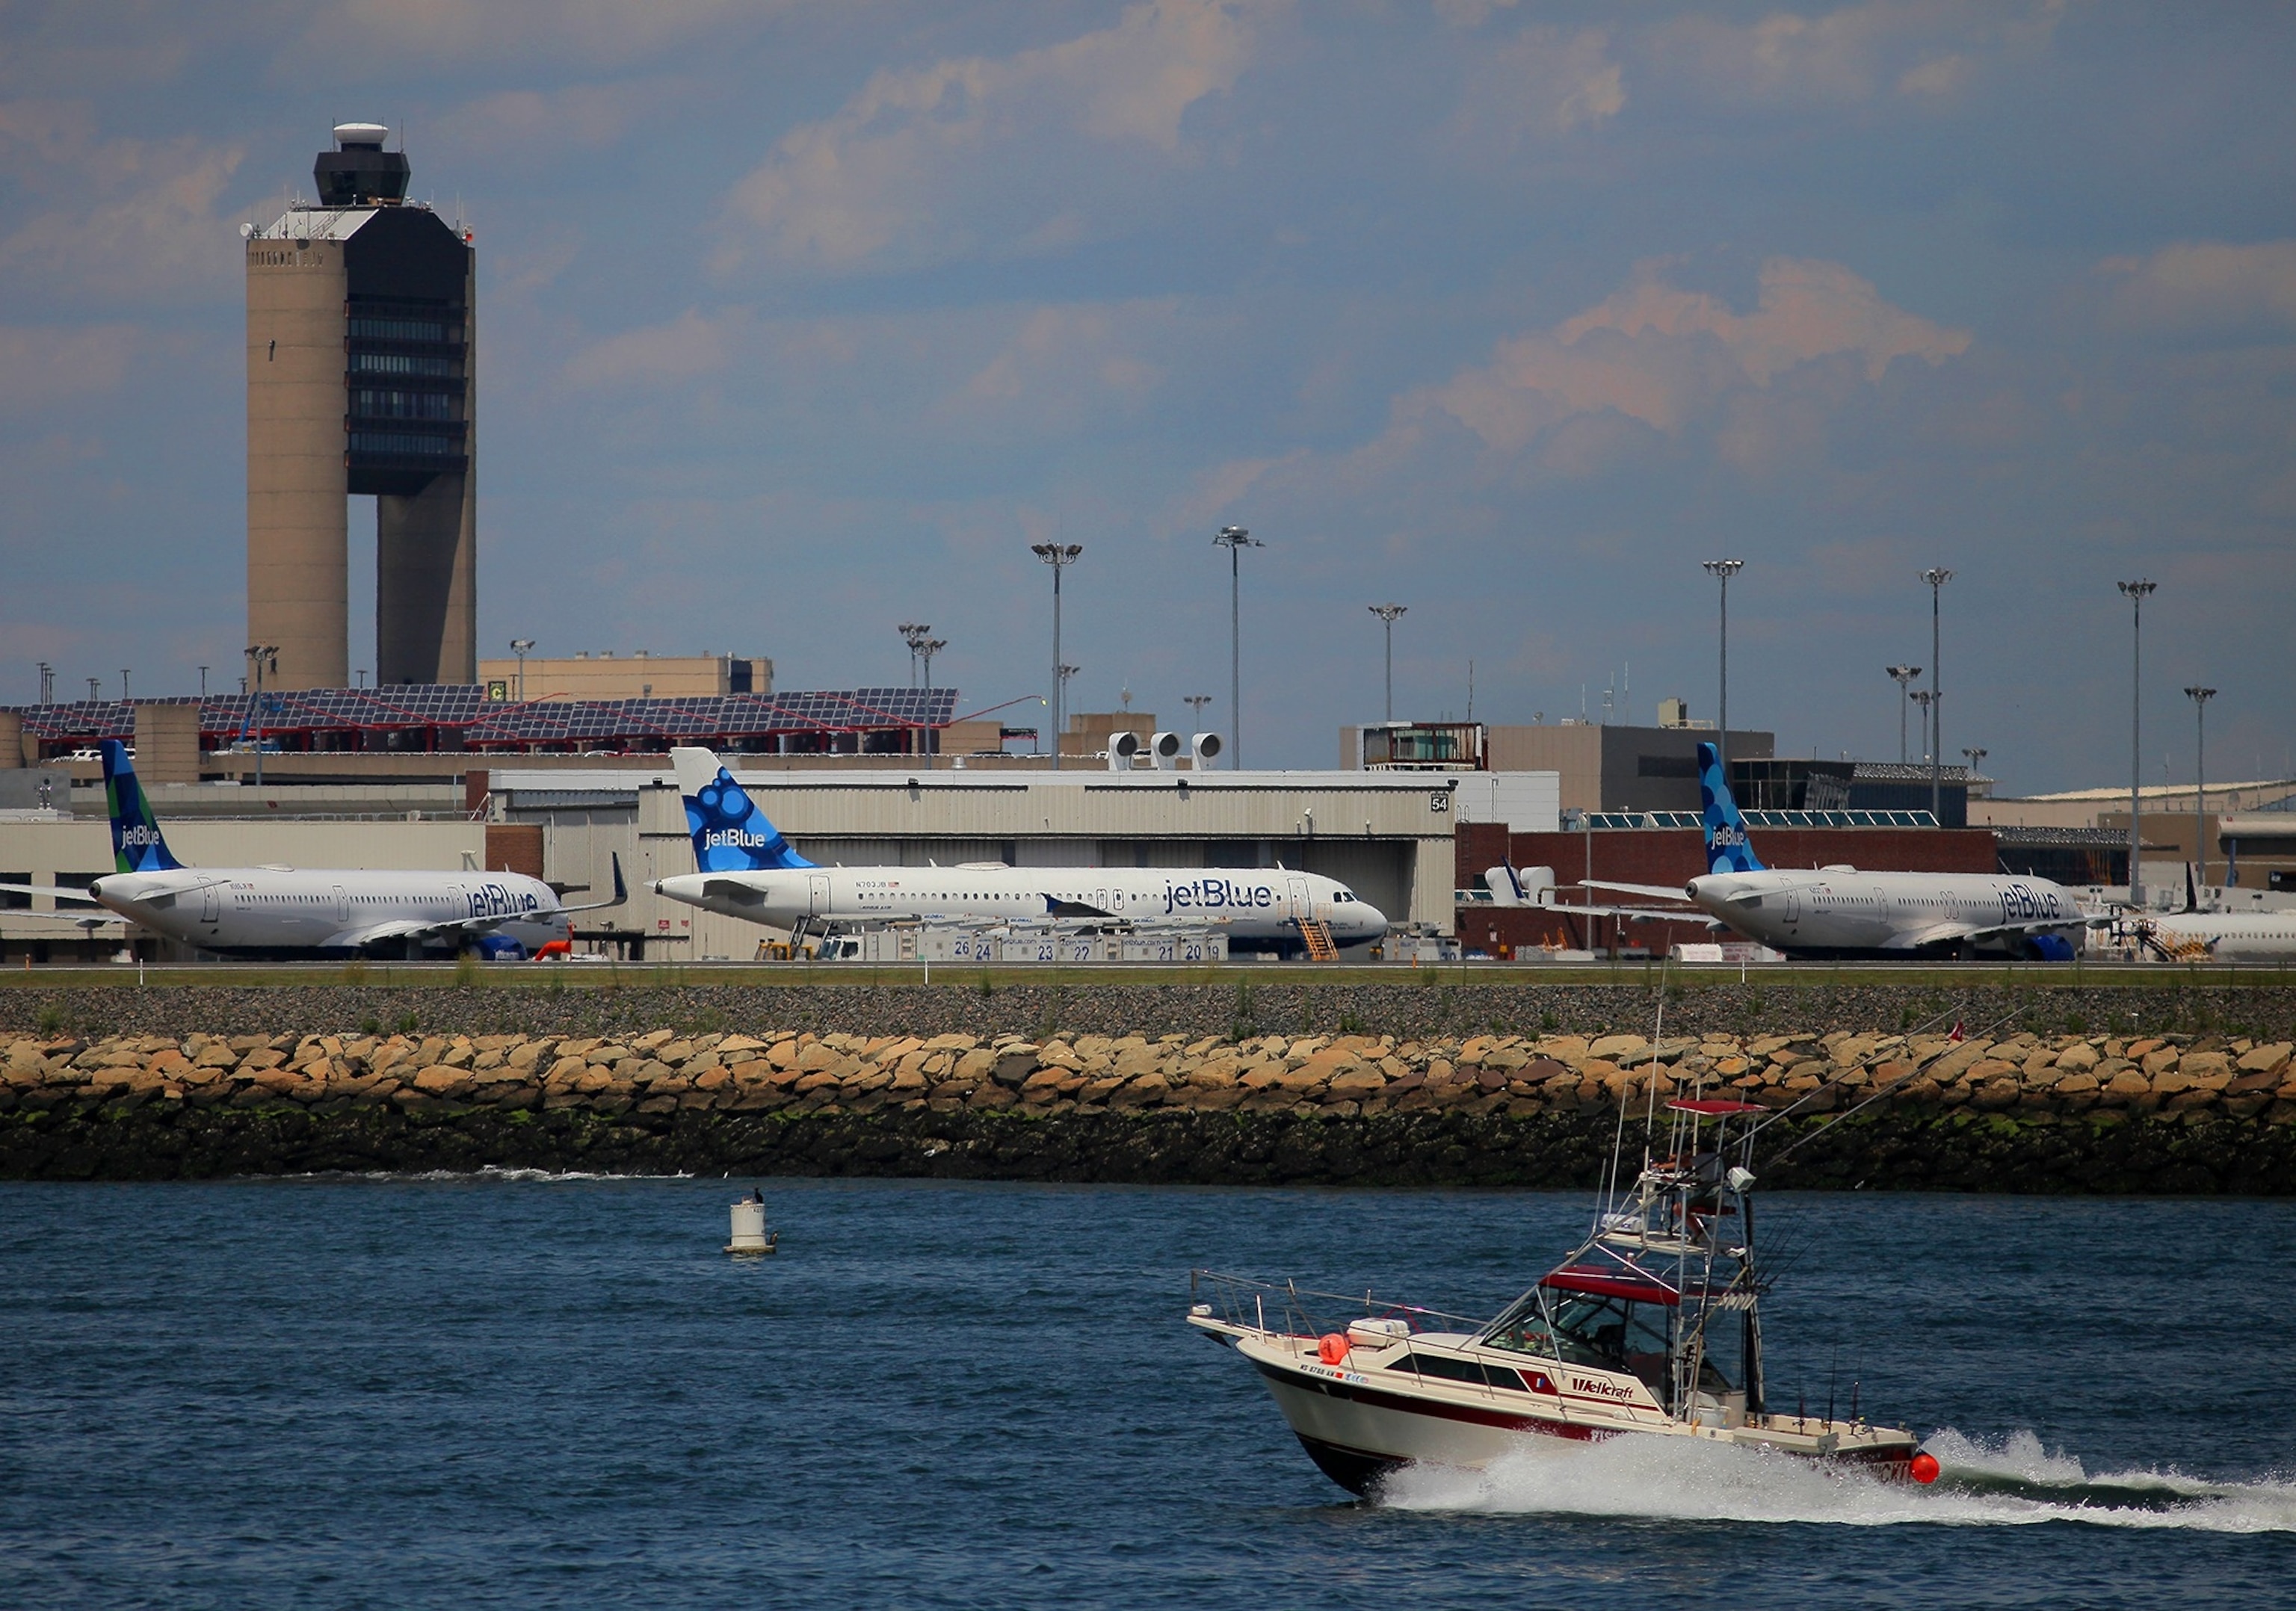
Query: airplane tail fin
column 138, row 845
column 730, row 833
column 1728, row 849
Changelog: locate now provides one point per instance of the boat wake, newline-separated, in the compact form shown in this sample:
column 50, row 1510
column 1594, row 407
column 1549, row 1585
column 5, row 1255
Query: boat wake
column 2014, row 1484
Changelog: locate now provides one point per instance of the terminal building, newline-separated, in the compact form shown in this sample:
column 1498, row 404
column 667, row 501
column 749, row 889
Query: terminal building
column 361, row 379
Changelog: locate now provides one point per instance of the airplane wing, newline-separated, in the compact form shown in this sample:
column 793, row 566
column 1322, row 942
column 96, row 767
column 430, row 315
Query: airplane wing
column 1654, row 892
column 60, row 893
column 1940, row 934
column 1633, row 914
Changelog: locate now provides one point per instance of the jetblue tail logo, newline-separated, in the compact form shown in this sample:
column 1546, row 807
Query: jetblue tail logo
column 731, row 834
column 1728, row 849
column 137, row 845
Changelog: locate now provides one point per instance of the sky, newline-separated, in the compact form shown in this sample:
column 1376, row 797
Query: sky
column 797, row 321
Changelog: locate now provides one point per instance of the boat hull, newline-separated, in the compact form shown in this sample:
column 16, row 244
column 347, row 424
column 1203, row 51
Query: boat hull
column 1357, row 1431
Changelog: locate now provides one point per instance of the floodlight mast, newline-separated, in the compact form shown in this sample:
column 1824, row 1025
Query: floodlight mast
column 2136, row 592
column 1937, row 576
column 1903, row 675
column 1060, row 556
column 2200, row 696
column 1387, row 613
column 1722, row 571
column 1235, row 540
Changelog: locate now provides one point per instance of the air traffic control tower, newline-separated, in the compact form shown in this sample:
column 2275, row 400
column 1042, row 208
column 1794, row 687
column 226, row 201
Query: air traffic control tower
column 361, row 379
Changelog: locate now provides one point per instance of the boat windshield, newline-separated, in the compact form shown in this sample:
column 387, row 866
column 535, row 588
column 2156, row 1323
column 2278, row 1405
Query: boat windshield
column 1583, row 1329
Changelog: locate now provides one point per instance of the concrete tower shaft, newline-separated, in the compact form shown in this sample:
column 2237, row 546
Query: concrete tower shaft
column 298, row 523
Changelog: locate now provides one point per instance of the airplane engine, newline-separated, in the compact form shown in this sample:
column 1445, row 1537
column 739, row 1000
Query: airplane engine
column 1205, row 746
column 1121, row 747
column 2049, row 948
column 500, row 948
column 1163, row 750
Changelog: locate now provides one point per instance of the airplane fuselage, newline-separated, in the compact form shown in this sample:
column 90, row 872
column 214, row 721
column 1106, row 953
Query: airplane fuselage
column 1838, row 912
column 2225, row 936
column 1260, row 907
column 276, row 912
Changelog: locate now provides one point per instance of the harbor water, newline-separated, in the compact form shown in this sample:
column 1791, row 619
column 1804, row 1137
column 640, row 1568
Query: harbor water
column 527, row 1391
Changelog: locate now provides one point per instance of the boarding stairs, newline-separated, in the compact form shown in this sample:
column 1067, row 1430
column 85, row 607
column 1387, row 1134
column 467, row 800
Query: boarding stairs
column 1318, row 933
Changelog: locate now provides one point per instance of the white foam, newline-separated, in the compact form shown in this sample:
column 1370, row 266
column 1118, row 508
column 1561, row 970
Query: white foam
column 2017, row 1484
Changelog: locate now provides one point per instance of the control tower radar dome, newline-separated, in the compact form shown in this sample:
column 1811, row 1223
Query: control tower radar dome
column 359, row 173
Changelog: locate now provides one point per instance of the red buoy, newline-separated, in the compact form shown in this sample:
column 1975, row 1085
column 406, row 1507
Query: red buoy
column 1333, row 1350
column 1924, row 1468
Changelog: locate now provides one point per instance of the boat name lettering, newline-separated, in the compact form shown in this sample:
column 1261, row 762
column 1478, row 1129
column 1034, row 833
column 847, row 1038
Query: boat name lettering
column 1601, row 1389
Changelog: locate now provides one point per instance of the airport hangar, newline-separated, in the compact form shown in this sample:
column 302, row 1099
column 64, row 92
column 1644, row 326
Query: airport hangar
column 443, row 775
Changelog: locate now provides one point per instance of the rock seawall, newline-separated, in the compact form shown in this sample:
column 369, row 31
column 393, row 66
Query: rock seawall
column 2029, row 1112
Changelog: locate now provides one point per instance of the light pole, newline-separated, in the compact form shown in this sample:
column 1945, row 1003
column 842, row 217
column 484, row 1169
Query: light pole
column 1195, row 702
column 1972, row 757
column 1235, row 540
column 926, row 649
column 1722, row 571
column 123, row 683
column 1902, row 675
column 1937, row 576
column 2136, row 592
column 1387, row 613
column 914, row 632
column 520, row 647
column 1060, row 556
column 203, row 681
column 264, row 656
column 95, row 689
column 47, row 683
column 2200, row 698
column 1923, row 698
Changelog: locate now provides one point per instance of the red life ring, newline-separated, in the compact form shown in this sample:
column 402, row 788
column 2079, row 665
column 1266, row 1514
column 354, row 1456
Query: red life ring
column 1332, row 1349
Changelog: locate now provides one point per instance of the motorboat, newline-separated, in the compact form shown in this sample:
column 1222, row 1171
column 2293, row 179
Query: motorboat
column 1651, row 1326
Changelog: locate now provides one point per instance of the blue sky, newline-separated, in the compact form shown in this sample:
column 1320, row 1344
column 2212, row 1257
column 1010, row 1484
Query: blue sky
column 797, row 321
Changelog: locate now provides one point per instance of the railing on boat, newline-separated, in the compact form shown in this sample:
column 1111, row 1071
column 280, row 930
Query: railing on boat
column 1298, row 1312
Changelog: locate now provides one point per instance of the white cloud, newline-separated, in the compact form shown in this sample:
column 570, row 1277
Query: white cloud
column 876, row 177
column 462, row 35
column 1659, row 355
column 2205, row 284
column 41, row 366
column 690, row 345
column 125, row 217
column 1917, row 48
column 1541, row 83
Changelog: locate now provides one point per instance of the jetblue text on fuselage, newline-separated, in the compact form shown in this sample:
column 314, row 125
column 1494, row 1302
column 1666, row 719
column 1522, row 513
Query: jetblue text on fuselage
column 1217, row 892
column 492, row 900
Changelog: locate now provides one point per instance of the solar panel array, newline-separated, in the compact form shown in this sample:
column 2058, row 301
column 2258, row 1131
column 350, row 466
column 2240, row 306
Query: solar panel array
column 464, row 710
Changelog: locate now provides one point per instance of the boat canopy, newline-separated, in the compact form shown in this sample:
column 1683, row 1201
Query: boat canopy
column 1629, row 1284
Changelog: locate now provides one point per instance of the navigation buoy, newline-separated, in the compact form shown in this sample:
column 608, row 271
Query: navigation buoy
column 1925, row 1468
column 749, row 1233
column 1332, row 1349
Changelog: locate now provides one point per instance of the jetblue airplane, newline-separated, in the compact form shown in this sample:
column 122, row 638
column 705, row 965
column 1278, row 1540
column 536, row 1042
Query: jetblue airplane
column 2193, row 935
column 284, row 911
column 1841, row 911
column 749, row 870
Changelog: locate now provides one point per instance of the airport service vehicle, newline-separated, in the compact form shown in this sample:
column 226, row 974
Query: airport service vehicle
column 1652, row 1326
column 286, row 911
column 747, row 869
column 1844, row 912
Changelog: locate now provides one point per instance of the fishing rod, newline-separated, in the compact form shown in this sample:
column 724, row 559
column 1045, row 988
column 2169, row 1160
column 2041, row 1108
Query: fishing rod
column 1915, row 1072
